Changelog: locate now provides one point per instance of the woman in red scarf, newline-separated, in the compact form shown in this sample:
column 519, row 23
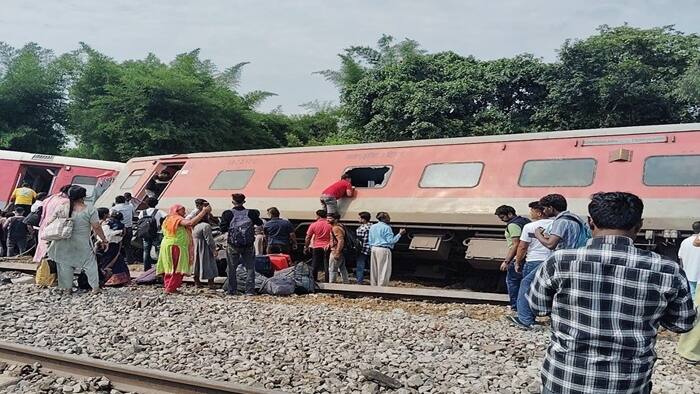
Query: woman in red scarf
column 177, row 249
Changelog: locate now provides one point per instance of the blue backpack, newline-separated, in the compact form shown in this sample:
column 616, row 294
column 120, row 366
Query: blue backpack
column 584, row 235
column 241, row 233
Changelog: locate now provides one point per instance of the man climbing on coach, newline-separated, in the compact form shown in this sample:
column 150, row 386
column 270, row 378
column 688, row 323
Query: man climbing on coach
column 340, row 189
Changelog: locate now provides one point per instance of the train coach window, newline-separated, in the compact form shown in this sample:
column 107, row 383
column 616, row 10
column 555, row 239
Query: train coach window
column 88, row 182
column 451, row 175
column 672, row 170
column 371, row 177
column 293, row 178
column 131, row 180
column 558, row 172
column 231, row 180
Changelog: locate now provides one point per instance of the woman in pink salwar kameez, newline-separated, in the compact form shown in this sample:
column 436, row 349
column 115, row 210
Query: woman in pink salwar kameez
column 50, row 205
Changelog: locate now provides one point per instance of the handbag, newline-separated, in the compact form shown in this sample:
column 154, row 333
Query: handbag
column 59, row 229
column 45, row 276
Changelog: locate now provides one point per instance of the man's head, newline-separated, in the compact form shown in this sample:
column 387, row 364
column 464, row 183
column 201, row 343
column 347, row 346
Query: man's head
column 120, row 200
column 553, row 204
column 116, row 215
column 364, row 217
column 199, row 203
column 273, row 212
column 384, row 217
column 127, row 196
column 152, row 202
column 346, row 176
column 102, row 213
column 615, row 213
column 333, row 218
column 321, row 213
column 696, row 227
column 505, row 212
column 536, row 210
column 41, row 196
column 25, row 184
column 238, row 199
column 19, row 211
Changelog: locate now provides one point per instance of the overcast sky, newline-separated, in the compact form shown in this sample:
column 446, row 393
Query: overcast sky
column 286, row 41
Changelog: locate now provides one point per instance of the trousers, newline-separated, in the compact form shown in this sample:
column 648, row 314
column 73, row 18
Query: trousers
column 234, row 257
column 173, row 280
column 361, row 262
column 525, row 314
column 337, row 264
column 380, row 266
column 330, row 204
column 513, row 279
column 319, row 259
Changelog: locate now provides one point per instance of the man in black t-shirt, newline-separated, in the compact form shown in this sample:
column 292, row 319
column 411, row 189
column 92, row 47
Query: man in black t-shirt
column 279, row 232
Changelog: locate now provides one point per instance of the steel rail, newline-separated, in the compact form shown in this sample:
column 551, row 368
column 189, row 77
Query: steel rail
column 125, row 378
column 414, row 293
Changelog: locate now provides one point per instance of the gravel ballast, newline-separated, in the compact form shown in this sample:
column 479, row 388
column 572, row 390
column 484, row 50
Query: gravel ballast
column 303, row 344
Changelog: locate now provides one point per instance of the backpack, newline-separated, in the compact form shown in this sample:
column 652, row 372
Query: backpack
column 147, row 226
column 240, row 231
column 353, row 246
column 584, row 235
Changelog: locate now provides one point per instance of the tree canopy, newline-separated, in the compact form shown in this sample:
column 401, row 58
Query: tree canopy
column 87, row 104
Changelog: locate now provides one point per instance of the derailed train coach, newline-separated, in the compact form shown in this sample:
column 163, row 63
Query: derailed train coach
column 445, row 191
column 47, row 173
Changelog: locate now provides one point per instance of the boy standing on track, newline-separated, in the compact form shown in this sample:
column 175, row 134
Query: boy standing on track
column 530, row 255
column 340, row 189
column 514, row 226
column 607, row 300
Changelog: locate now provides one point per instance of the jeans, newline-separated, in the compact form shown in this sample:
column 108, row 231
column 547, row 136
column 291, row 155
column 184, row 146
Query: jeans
column 693, row 288
column 330, row 204
column 16, row 246
column 147, row 260
column 361, row 262
column 246, row 256
column 513, row 279
column 336, row 264
column 525, row 314
column 319, row 259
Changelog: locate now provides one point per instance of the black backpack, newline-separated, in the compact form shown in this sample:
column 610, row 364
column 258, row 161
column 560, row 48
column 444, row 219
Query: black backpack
column 240, row 231
column 147, row 227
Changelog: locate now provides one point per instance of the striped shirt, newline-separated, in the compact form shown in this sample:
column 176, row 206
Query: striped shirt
column 606, row 301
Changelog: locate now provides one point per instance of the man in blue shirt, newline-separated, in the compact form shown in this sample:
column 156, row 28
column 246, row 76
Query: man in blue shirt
column 382, row 240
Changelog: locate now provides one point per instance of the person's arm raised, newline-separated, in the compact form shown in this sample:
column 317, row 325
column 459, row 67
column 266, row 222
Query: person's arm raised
column 192, row 222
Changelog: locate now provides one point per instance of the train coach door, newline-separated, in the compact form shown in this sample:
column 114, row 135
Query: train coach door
column 161, row 178
column 40, row 178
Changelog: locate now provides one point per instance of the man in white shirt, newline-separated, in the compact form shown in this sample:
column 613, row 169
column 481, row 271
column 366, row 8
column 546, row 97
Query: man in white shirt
column 198, row 205
column 528, row 258
column 689, row 256
column 127, row 210
column 151, row 241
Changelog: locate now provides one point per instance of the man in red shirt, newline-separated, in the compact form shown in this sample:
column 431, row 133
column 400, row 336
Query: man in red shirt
column 340, row 189
column 318, row 240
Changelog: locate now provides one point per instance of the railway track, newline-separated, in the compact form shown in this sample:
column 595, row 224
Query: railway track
column 412, row 293
column 123, row 377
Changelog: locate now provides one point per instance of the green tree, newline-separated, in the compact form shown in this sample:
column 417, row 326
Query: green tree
column 32, row 99
column 145, row 107
column 623, row 76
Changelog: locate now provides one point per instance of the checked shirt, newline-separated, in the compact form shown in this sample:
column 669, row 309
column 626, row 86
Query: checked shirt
column 363, row 235
column 606, row 302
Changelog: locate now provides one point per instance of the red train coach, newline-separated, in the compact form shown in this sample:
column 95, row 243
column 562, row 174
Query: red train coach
column 446, row 190
column 47, row 173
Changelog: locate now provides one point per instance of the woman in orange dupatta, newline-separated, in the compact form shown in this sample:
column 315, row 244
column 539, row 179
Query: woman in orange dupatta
column 177, row 248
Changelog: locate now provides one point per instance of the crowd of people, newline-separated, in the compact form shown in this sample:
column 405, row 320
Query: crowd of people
column 606, row 297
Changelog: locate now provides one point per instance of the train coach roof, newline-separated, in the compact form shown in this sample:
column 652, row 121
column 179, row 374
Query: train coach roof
column 616, row 131
column 60, row 160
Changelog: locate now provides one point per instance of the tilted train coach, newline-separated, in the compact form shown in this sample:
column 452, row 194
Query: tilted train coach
column 445, row 191
column 47, row 173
